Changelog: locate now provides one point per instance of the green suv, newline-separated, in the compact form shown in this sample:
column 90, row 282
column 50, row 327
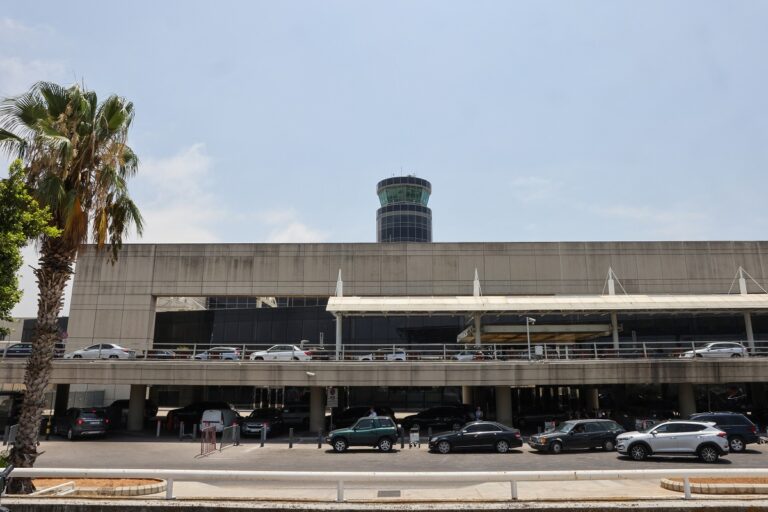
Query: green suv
column 378, row 432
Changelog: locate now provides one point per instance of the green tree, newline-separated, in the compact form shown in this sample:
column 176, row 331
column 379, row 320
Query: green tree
column 21, row 219
column 77, row 163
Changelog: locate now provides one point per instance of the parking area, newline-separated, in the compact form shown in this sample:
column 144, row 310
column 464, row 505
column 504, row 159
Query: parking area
column 141, row 452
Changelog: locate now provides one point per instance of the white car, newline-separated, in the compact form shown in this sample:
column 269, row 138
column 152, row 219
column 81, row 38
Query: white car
column 221, row 353
column 673, row 438
column 385, row 354
column 471, row 355
column 282, row 353
column 219, row 419
column 718, row 349
column 102, row 351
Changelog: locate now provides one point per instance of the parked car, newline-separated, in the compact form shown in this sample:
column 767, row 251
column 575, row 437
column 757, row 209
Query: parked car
column 191, row 414
column 350, row 415
column 160, row 353
column 117, row 412
column 270, row 419
column 219, row 353
column 296, row 414
column 17, row 350
column 219, row 418
column 379, row 432
column 102, row 351
column 282, row 353
column 703, row 440
column 478, row 435
column 81, row 422
column 472, row 355
column 444, row 417
column 741, row 431
column 385, row 354
column 719, row 349
column 578, row 434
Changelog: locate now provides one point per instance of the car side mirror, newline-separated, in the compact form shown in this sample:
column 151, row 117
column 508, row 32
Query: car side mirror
column 653, row 433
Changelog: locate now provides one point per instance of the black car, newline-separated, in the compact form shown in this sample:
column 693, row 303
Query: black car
column 191, row 414
column 268, row 419
column 18, row 350
column 81, row 422
column 350, row 415
column 578, row 434
column 478, row 435
column 117, row 412
column 445, row 417
column 741, row 431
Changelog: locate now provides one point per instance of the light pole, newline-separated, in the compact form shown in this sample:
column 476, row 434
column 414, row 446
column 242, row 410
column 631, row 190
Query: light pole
column 528, row 322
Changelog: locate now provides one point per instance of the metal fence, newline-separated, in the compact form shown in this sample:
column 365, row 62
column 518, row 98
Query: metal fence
column 413, row 479
column 207, row 440
column 230, row 436
column 457, row 352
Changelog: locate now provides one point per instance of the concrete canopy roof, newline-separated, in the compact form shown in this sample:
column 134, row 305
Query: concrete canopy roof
column 536, row 304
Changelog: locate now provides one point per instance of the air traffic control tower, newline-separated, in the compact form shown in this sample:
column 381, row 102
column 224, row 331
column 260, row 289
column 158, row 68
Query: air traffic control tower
column 404, row 215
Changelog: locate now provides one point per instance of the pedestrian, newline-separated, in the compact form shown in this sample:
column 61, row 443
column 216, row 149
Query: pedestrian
column 478, row 414
column 372, row 413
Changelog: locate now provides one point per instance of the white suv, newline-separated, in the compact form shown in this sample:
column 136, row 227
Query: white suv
column 721, row 349
column 675, row 438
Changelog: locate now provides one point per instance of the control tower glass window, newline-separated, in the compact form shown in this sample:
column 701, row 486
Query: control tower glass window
column 404, row 215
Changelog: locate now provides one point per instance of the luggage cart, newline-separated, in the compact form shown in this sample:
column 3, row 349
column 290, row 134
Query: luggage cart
column 414, row 439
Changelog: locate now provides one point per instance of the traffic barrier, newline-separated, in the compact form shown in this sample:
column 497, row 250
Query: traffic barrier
column 340, row 478
column 207, row 440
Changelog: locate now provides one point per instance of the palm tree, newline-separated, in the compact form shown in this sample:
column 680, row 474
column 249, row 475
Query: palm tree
column 77, row 163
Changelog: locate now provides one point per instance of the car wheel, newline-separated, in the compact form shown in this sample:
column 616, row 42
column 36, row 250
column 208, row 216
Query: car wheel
column 608, row 446
column 385, row 444
column 556, row 447
column 258, row 358
column 295, row 358
column 70, row 435
column 77, row 356
column 340, row 445
column 444, row 447
column 735, row 355
column 638, row 452
column 502, row 446
column 456, row 426
column 113, row 356
column 736, row 444
column 708, row 454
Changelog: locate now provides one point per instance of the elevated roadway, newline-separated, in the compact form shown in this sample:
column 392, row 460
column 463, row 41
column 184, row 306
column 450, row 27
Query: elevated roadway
column 389, row 373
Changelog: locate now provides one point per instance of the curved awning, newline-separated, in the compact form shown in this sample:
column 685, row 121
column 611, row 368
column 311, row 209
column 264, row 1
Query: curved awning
column 536, row 304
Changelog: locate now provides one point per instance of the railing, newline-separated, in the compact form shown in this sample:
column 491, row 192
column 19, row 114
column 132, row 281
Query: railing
column 455, row 352
column 340, row 478
column 207, row 440
column 230, row 436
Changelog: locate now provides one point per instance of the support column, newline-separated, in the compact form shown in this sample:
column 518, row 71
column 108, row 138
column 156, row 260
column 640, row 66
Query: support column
column 466, row 395
column 339, row 320
column 750, row 333
column 747, row 317
column 316, row 409
column 504, row 405
column 136, row 405
column 61, row 401
column 686, row 399
column 593, row 400
column 615, row 330
column 478, row 331
column 759, row 398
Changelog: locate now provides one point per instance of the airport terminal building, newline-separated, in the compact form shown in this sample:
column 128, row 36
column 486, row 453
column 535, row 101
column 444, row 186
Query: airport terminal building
column 511, row 327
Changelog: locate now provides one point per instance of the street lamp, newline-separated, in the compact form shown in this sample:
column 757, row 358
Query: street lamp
column 528, row 322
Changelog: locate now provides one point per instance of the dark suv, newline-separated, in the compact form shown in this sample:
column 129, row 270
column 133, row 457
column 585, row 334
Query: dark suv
column 578, row 434
column 445, row 417
column 741, row 431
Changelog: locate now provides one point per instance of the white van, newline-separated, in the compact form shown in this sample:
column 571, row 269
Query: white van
column 219, row 418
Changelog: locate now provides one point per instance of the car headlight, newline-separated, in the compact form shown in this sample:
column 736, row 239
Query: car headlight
column 543, row 440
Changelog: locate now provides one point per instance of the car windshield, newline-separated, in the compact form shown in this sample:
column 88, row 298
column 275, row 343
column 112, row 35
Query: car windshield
column 564, row 427
column 263, row 413
column 92, row 415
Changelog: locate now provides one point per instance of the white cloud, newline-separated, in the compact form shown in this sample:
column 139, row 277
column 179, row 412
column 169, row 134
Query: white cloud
column 286, row 227
column 533, row 188
column 174, row 198
column 18, row 75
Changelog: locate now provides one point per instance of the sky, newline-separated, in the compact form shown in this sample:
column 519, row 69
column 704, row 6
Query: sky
column 534, row 121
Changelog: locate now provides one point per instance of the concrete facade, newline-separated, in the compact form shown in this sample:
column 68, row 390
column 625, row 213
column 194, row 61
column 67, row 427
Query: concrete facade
column 116, row 303
column 470, row 374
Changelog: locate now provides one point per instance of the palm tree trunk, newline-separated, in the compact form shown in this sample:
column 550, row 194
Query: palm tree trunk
column 56, row 258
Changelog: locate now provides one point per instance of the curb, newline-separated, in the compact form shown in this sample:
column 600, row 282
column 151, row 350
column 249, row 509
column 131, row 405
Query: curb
column 703, row 488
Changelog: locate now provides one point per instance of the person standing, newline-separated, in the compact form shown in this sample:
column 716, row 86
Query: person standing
column 478, row 414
